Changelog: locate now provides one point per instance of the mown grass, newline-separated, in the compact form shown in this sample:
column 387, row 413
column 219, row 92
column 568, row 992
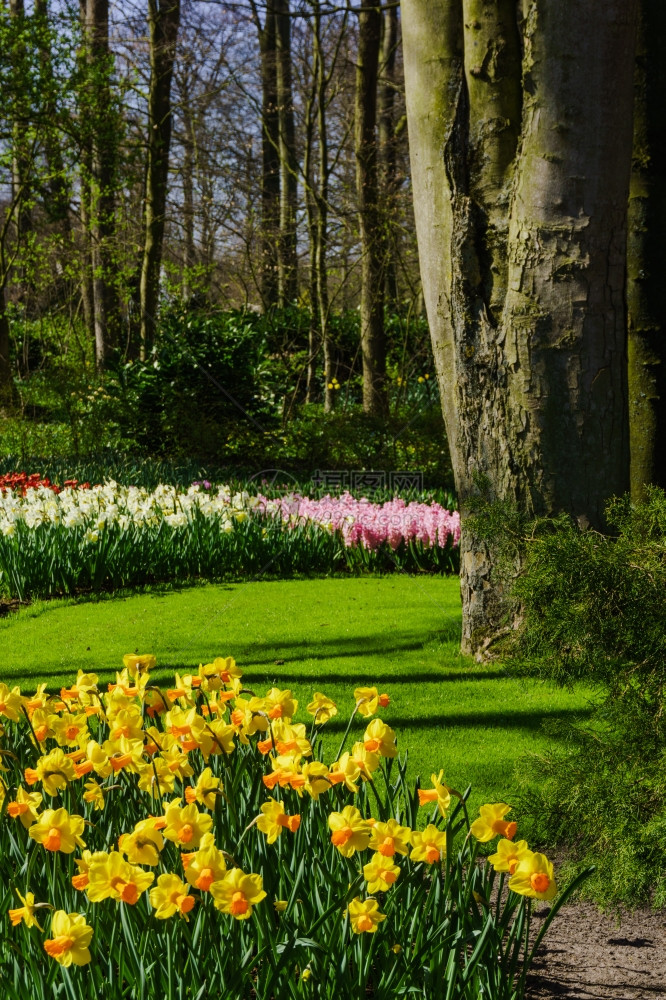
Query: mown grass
column 400, row 633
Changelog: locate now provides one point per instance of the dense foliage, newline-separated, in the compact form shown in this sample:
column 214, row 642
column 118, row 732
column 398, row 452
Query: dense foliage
column 228, row 389
column 594, row 609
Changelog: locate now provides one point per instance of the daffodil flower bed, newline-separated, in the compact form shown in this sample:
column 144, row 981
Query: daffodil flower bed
column 191, row 842
column 102, row 537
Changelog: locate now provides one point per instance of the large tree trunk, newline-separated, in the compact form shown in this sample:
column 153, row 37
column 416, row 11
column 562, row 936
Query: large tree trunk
column 287, row 260
column 520, row 198
column 163, row 23
column 646, row 257
column 373, row 341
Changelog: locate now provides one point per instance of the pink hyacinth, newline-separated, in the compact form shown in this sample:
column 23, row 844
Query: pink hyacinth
column 370, row 524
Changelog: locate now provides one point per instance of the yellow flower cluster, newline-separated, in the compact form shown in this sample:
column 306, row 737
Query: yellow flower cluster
column 161, row 746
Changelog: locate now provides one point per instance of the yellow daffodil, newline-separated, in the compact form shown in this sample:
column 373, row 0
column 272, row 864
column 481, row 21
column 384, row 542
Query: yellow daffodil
column 222, row 737
column 364, row 915
column 237, row 893
column 286, row 773
column 94, row 793
column 177, row 762
column 171, row 895
column 186, row 826
column 205, row 866
column 380, row 738
column 25, row 806
column 128, row 722
column 390, row 838
column 439, row 793
column 368, row 700
column 124, row 754
column 99, row 759
column 54, row 770
column 380, row 873
column 508, row 855
column 274, row 820
column 280, row 705
column 290, row 738
column 71, row 936
column 56, row 830
column 37, row 701
column 428, row 845
column 144, row 844
column 11, row 702
column 534, row 877
column 491, row 823
column 71, row 730
column 322, row 708
column 80, row 881
column 345, row 770
column 350, row 832
column 26, row 913
column 206, row 790
column 366, row 760
column 111, row 876
column 136, row 663
column 225, row 668
column 41, row 722
column 316, row 778
column 156, row 778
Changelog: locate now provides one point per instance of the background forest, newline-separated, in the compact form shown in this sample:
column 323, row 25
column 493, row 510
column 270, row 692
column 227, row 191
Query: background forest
column 208, row 247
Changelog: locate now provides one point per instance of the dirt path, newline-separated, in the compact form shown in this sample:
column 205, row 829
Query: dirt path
column 587, row 955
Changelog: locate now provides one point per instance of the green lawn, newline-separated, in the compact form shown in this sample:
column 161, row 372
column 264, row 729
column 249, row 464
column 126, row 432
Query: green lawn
column 397, row 632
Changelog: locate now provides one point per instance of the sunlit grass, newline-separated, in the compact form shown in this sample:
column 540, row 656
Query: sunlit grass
column 400, row 633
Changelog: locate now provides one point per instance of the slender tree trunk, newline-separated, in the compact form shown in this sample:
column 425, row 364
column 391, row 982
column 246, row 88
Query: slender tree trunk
column 187, row 174
column 163, row 23
column 520, row 178
column 270, row 151
column 21, row 159
column 321, row 227
column 58, row 201
column 5, row 365
column 102, row 185
column 387, row 148
column 646, row 257
column 85, row 173
column 373, row 341
column 288, row 260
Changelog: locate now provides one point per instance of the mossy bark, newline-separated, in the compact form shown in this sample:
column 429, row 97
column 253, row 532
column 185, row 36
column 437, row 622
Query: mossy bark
column 520, row 141
column 646, row 257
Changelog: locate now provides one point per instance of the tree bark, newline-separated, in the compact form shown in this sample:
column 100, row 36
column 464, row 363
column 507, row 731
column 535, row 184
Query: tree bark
column 373, row 341
column 270, row 154
column 387, row 148
column 163, row 23
column 520, row 194
column 646, row 258
column 102, row 183
column 287, row 255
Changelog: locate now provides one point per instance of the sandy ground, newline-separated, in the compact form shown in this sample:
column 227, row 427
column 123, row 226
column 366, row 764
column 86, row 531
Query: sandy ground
column 587, row 955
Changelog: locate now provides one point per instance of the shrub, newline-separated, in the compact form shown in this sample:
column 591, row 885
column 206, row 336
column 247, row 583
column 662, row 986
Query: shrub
column 594, row 610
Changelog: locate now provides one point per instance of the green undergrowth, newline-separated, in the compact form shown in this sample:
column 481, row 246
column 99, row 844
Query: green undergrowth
column 593, row 610
column 400, row 633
